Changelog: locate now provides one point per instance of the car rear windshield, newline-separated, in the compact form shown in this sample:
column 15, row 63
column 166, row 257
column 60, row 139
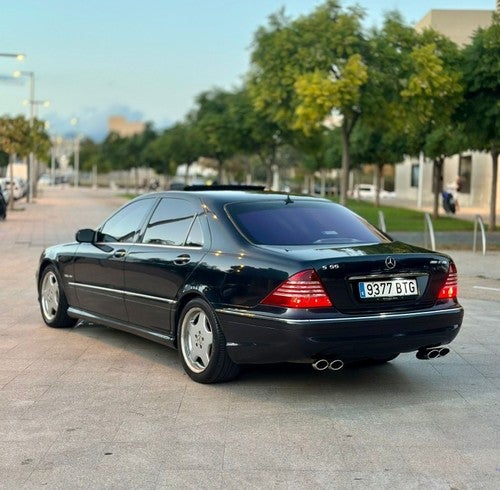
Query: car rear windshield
column 301, row 222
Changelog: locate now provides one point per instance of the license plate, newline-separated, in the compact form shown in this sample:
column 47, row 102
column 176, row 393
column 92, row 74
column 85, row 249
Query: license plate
column 388, row 289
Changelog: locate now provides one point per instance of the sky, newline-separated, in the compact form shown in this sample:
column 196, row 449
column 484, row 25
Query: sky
column 146, row 60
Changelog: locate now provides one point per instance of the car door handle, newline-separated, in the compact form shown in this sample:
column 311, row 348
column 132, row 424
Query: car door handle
column 182, row 259
column 119, row 253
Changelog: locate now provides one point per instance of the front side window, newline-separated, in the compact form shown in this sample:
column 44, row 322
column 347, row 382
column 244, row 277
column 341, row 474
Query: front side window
column 170, row 223
column 126, row 223
column 301, row 223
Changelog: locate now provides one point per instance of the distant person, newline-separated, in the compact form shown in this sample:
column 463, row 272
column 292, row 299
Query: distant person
column 450, row 200
column 3, row 206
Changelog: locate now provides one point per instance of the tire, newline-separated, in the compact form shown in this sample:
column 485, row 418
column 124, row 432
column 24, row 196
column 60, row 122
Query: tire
column 53, row 302
column 202, row 345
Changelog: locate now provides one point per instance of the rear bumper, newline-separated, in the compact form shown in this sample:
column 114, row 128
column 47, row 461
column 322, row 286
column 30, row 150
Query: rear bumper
column 265, row 338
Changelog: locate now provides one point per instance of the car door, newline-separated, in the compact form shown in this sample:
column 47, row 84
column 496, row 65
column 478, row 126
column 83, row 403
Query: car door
column 173, row 243
column 98, row 266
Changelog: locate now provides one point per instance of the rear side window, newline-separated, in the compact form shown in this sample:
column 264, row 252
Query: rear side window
column 301, row 223
column 171, row 222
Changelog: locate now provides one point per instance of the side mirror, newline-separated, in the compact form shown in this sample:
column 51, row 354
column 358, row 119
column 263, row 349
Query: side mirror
column 85, row 236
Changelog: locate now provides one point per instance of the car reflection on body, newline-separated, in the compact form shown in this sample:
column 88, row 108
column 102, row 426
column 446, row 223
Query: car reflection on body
column 234, row 276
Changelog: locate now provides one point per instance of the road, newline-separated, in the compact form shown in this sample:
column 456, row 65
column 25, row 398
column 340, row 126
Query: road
column 91, row 407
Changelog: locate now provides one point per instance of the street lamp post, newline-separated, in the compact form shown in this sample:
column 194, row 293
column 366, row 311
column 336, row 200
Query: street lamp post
column 31, row 76
column 18, row 56
column 76, row 180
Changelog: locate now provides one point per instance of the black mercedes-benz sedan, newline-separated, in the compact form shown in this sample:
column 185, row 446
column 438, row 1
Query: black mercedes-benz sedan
column 239, row 276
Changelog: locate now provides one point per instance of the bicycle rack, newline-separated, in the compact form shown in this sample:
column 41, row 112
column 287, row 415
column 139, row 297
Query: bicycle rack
column 381, row 221
column 429, row 230
column 479, row 220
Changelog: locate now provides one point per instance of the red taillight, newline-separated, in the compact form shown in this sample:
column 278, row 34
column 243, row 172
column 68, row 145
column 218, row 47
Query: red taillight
column 450, row 287
column 302, row 290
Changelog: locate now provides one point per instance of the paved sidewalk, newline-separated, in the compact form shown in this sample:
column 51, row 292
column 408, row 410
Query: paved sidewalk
column 95, row 408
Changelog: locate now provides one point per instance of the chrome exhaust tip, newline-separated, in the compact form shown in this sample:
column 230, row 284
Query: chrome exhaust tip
column 432, row 352
column 444, row 351
column 320, row 364
column 336, row 365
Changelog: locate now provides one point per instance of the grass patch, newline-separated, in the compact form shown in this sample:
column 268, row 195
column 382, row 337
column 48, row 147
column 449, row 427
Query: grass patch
column 402, row 219
column 128, row 195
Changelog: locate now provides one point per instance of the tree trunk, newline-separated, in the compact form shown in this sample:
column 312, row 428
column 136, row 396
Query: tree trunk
column 344, row 178
column 11, row 203
column 438, row 179
column 186, row 174
column 220, row 173
column 493, row 199
column 378, row 181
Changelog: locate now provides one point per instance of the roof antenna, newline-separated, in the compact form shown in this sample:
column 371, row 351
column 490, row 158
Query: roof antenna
column 288, row 199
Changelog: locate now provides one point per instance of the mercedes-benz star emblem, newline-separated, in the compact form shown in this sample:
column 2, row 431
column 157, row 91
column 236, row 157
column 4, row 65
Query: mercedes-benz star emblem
column 390, row 262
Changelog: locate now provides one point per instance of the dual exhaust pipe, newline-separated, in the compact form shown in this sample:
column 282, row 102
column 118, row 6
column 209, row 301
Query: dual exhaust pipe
column 323, row 364
column 432, row 352
column 424, row 354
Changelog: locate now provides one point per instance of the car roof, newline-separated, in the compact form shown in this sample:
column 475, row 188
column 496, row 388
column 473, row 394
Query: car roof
column 229, row 193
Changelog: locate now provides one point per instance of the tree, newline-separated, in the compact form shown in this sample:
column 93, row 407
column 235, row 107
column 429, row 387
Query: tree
column 22, row 137
column 91, row 156
column 214, row 118
column 319, row 150
column 4, row 158
column 481, row 107
column 306, row 70
column 179, row 144
column 113, row 151
column 255, row 132
column 378, row 147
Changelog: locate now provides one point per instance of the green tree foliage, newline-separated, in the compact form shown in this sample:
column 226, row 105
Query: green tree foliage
column 378, row 147
column 216, row 119
column 255, row 132
column 179, row 144
column 4, row 158
column 91, row 155
column 481, row 108
column 124, row 153
column 20, row 136
column 433, row 89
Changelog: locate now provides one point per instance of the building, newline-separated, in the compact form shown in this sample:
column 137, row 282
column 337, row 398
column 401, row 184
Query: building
column 123, row 127
column 458, row 25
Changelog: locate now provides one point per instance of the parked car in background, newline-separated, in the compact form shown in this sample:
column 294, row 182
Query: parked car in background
column 234, row 275
column 44, row 180
column 17, row 187
column 368, row 192
column 3, row 206
column 5, row 190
